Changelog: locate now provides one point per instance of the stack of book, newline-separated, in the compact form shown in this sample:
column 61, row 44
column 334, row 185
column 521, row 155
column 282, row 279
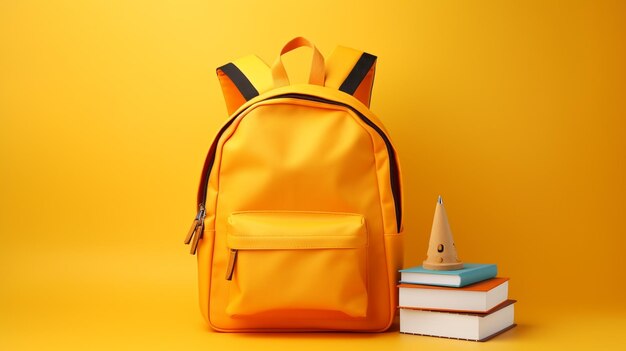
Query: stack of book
column 469, row 303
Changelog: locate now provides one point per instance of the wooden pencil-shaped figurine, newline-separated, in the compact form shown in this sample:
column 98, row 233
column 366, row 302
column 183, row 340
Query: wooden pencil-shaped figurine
column 442, row 254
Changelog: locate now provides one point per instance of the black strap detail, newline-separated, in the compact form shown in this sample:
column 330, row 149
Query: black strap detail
column 240, row 80
column 358, row 73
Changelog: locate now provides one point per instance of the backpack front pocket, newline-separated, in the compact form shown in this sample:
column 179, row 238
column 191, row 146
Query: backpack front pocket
column 294, row 264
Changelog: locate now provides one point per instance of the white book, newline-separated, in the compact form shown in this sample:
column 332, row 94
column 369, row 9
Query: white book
column 469, row 326
column 479, row 297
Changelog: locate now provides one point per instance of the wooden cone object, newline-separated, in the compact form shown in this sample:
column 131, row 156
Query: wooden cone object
column 442, row 254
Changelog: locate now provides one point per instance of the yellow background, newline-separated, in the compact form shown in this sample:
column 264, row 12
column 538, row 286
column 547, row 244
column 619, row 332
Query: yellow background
column 513, row 111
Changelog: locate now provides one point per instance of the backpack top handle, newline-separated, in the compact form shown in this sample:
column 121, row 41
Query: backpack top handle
column 279, row 74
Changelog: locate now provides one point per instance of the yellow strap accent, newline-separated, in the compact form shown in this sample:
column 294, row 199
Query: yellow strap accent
column 340, row 64
column 317, row 64
column 257, row 72
column 254, row 70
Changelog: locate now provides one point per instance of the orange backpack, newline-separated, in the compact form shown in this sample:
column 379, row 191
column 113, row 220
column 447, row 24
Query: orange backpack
column 300, row 201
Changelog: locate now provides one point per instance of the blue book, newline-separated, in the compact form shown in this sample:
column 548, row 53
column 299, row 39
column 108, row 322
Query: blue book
column 471, row 273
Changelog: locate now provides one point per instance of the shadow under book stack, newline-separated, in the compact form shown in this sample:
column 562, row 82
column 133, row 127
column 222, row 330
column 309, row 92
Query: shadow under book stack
column 469, row 303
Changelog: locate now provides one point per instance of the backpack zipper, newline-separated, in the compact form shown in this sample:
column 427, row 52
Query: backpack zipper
column 393, row 164
column 198, row 222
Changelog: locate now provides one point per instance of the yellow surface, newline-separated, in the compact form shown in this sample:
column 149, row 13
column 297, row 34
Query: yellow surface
column 513, row 111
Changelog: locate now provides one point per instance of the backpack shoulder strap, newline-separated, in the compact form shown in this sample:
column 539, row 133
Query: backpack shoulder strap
column 351, row 71
column 243, row 79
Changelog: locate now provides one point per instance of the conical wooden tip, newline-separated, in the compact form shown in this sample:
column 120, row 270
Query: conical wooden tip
column 442, row 255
